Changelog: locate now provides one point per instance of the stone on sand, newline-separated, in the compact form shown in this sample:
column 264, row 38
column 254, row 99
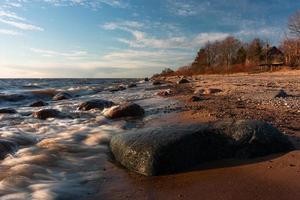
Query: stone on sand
column 165, row 150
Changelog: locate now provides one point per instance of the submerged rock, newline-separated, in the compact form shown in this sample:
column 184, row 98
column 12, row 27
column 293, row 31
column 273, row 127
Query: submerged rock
column 95, row 104
column 7, row 111
column 165, row 150
column 182, row 81
column 62, row 96
column 38, row 104
column 7, row 147
column 48, row 113
column 125, row 110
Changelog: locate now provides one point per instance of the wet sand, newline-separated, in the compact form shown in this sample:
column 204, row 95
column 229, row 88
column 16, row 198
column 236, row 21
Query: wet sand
column 242, row 97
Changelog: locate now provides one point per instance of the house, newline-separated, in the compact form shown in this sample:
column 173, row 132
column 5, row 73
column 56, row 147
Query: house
column 273, row 58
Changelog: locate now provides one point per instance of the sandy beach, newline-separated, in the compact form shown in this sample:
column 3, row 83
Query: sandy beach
column 242, row 97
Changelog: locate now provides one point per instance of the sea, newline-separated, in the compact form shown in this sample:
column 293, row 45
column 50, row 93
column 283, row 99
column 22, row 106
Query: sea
column 65, row 158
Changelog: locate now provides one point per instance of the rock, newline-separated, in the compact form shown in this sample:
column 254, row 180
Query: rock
column 12, row 97
column 207, row 91
column 95, row 104
column 281, row 94
column 38, row 104
column 124, row 110
column 157, row 82
column 165, row 150
column 164, row 93
column 48, row 113
column 196, row 98
column 7, row 147
column 117, row 88
column 146, row 79
column 182, row 81
column 61, row 96
column 7, row 111
column 131, row 85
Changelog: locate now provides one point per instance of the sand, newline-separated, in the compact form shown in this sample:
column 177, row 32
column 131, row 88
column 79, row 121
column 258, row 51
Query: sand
column 243, row 96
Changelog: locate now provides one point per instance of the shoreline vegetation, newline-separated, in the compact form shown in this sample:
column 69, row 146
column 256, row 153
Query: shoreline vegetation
column 232, row 55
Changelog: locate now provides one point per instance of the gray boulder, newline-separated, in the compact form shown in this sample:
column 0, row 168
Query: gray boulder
column 95, row 104
column 124, row 110
column 165, row 150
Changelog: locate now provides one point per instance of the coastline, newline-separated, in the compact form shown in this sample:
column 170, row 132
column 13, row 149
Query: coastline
column 271, row 177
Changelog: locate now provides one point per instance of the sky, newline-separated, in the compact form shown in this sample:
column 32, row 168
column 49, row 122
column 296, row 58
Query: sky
column 125, row 38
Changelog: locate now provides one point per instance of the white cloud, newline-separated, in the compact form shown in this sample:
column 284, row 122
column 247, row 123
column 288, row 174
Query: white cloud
column 21, row 25
column 186, row 8
column 9, row 32
column 73, row 55
column 143, row 40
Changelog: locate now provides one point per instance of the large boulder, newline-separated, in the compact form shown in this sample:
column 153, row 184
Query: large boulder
column 165, row 150
column 7, row 111
column 7, row 147
column 38, row 104
column 95, row 104
column 48, row 113
column 62, row 96
column 124, row 110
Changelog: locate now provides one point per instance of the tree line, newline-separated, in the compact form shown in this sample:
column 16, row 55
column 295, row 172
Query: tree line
column 233, row 55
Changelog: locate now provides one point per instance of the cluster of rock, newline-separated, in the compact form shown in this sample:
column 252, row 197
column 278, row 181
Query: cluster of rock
column 165, row 150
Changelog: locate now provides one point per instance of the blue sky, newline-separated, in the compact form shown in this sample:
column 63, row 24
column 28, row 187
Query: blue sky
column 125, row 38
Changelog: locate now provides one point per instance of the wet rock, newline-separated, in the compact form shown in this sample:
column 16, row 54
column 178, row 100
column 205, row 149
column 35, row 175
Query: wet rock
column 281, row 94
column 157, row 82
column 131, row 85
column 7, row 111
column 38, row 104
column 61, row 96
column 124, row 110
column 12, row 97
column 182, row 81
column 164, row 93
column 117, row 88
column 95, row 104
column 165, row 150
column 146, row 79
column 7, row 147
column 48, row 113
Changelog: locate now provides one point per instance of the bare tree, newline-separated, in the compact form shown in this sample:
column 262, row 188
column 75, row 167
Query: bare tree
column 294, row 24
